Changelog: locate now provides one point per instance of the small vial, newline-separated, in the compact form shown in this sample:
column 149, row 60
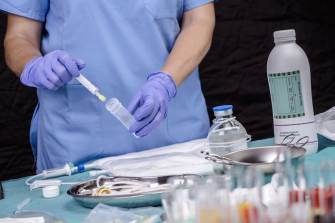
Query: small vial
column 121, row 113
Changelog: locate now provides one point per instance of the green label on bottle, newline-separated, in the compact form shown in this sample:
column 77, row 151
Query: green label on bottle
column 286, row 94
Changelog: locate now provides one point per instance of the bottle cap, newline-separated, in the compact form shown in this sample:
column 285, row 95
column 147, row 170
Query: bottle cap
column 50, row 191
column 223, row 110
column 284, row 35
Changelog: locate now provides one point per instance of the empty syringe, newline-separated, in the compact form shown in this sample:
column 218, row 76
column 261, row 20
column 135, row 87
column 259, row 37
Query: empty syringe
column 93, row 89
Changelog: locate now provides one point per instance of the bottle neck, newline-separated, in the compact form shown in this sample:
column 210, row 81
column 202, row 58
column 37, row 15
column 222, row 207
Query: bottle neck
column 284, row 42
column 226, row 116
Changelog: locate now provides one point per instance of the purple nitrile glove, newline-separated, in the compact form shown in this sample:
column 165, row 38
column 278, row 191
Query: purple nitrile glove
column 152, row 101
column 51, row 71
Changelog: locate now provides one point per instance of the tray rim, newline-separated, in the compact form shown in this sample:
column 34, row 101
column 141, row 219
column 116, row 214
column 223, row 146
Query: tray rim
column 69, row 192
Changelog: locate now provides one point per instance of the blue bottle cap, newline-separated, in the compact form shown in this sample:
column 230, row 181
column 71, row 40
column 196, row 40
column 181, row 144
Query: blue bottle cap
column 222, row 108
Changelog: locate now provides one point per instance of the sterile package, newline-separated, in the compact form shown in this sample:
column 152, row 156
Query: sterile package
column 158, row 165
column 325, row 123
column 149, row 214
column 47, row 217
column 105, row 214
column 182, row 158
column 22, row 220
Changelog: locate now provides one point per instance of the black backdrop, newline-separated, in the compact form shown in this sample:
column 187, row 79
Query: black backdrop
column 233, row 72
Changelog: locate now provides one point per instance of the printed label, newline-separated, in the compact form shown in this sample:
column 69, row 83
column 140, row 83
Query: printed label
column 286, row 94
column 299, row 130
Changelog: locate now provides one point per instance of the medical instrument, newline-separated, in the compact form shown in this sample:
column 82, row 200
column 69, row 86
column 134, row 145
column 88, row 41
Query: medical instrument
column 226, row 134
column 289, row 79
column 288, row 145
column 221, row 159
column 68, row 169
column 23, row 203
column 83, row 192
column 50, row 191
column 264, row 158
column 121, row 113
column 91, row 87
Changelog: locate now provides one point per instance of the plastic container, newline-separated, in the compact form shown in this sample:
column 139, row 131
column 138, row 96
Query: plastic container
column 290, row 86
column 121, row 113
column 24, row 203
column 50, row 191
column 226, row 134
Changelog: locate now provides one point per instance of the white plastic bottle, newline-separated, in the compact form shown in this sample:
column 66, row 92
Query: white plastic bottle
column 290, row 86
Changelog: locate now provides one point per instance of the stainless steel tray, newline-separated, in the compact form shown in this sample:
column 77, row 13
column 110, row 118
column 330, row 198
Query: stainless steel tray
column 82, row 192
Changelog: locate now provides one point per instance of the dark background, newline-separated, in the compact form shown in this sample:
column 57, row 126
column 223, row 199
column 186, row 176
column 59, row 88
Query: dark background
column 233, row 72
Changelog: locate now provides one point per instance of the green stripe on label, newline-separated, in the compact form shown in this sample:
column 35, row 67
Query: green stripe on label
column 286, row 95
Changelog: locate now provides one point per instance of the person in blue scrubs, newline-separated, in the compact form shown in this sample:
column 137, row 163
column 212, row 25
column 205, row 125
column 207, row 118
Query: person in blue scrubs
column 145, row 53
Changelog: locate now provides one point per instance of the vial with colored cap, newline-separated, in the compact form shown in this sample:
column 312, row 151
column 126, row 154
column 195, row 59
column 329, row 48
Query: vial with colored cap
column 226, row 134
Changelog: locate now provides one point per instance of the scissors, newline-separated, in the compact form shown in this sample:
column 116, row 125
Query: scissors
column 221, row 159
column 288, row 144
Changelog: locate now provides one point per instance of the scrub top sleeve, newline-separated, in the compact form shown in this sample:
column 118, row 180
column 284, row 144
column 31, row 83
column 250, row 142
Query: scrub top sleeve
column 32, row 9
column 191, row 4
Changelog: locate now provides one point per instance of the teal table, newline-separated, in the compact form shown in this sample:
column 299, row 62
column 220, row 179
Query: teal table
column 65, row 207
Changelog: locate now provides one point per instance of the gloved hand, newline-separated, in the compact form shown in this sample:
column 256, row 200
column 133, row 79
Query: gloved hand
column 152, row 101
column 51, row 71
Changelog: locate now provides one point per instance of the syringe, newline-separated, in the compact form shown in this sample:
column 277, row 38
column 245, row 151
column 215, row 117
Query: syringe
column 93, row 89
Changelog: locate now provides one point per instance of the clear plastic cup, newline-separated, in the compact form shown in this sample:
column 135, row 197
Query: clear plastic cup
column 121, row 113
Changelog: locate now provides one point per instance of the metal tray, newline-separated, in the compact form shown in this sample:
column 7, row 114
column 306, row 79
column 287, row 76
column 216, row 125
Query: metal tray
column 82, row 192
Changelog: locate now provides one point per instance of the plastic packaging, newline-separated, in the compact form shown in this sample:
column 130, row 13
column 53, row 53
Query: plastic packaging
column 48, row 218
column 158, row 165
column 226, row 134
column 105, row 214
column 22, row 220
column 24, row 203
column 121, row 113
column 325, row 123
column 289, row 79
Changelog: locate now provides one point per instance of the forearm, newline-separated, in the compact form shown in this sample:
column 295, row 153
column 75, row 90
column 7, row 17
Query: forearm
column 18, row 54
column 20, row 48
column 190, row 48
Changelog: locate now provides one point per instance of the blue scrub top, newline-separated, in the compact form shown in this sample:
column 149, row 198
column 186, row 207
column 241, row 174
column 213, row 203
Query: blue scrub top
column 122, row 42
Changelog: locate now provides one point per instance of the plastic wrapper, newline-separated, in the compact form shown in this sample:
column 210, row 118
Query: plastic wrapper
column 106, row 214
column 325, row 123
column 158, row 165
column 48, row 218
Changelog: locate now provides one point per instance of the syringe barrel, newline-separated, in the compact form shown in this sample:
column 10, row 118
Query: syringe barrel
column 121, row 113
column 56, row 172
column 93, row 89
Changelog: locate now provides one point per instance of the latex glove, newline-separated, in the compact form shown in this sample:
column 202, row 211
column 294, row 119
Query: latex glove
column 152, row 101
column 51, row 71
